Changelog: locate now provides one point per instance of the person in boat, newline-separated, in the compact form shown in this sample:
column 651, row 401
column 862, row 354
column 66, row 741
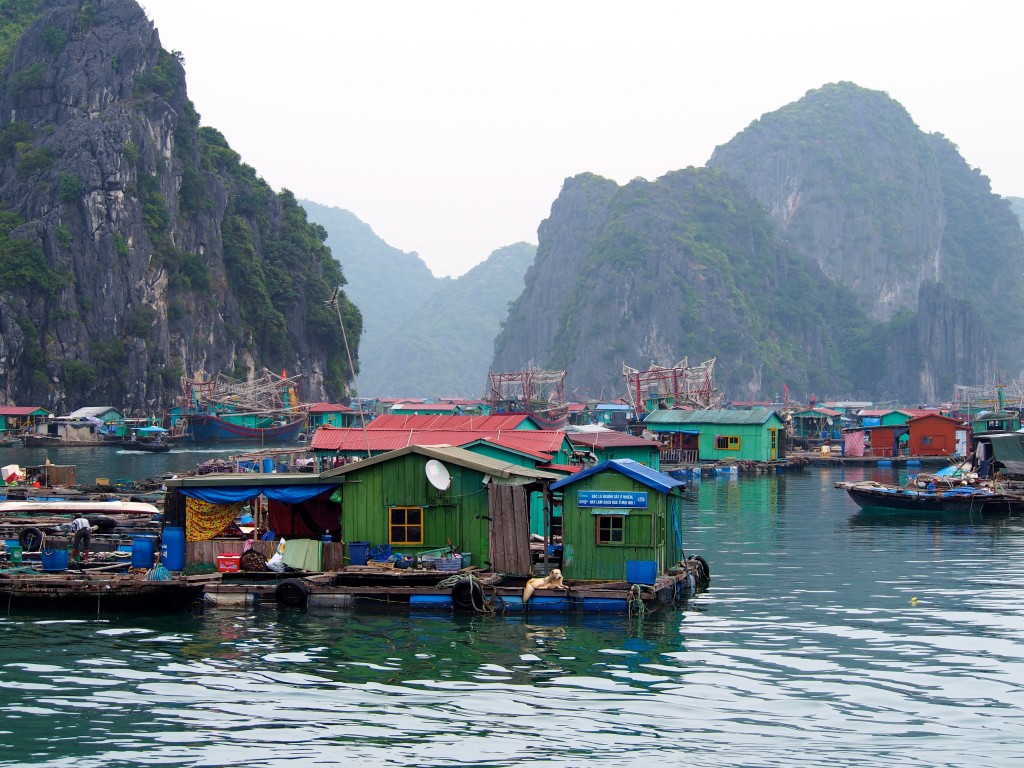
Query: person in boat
column 82, row 529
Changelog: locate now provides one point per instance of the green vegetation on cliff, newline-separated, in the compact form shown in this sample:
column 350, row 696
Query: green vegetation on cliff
column 133, row 238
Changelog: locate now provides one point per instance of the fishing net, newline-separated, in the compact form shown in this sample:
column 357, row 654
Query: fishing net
column 159, row 573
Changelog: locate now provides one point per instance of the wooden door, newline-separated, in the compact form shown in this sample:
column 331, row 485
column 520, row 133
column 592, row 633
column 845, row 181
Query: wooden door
column 509, row 537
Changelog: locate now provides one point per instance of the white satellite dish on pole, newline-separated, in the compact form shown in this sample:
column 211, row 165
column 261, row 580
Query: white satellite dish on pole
column 437, row 475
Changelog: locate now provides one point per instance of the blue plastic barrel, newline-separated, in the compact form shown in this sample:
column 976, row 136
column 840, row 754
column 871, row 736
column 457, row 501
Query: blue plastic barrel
column 268, row 465
column 143, row 549
column 54, row 559
column 172, row 552
column 358, row 552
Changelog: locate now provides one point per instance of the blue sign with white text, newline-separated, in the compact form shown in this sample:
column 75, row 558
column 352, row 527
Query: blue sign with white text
column 612, row 499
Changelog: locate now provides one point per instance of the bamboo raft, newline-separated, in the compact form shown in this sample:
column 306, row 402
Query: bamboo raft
column 98, row 593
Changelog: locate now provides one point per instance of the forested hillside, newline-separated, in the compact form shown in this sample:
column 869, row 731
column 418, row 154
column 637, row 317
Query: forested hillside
column 135, row 246
column 831, row 246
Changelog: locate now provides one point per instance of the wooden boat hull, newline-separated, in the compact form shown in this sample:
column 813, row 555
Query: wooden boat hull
column 904, row 500
column 55, row 441
column 206, row 428
column 136, row 445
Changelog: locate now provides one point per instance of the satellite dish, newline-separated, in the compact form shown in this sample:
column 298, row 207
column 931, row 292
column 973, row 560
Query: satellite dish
column 437, row 475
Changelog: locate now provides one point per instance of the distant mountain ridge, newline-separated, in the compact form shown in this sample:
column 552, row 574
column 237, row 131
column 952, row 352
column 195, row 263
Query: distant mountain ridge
column 424, row 336
column 831, row 247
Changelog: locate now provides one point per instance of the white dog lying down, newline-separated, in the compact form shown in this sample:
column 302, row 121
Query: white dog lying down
column 552, row 581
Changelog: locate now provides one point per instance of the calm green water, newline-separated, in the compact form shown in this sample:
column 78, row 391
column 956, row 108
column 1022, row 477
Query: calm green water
column 806, row 651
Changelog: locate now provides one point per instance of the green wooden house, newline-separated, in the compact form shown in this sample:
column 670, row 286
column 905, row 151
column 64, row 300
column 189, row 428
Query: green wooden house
column 616, row 514
column 816, row 424
column 995, row 421
column 474, row 502
column 724, row 435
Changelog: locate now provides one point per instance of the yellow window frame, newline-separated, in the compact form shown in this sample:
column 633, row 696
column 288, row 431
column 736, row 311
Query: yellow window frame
column 402, row 530
column 727, row 442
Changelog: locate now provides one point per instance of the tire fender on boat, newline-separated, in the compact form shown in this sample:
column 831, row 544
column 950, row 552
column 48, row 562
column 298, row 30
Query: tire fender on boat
column 31, row 539
column 703, row 570
column 292, row 593
column 467, row 595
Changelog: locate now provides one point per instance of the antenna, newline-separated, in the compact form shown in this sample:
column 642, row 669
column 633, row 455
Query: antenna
column 335, row 302
column 437, row 475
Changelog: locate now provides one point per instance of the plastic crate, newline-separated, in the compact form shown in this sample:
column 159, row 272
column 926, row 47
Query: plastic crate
column 228, row 563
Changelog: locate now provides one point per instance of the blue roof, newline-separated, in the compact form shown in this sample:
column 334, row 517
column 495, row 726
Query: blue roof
column 634, row 469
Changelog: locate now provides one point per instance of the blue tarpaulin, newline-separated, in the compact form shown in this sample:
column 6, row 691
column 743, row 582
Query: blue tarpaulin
column 288, row 494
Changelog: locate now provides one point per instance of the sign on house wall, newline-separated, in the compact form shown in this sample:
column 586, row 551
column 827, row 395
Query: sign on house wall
column 612, row 499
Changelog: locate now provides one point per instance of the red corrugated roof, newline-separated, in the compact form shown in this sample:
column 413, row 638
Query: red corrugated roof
column 19, row 410
column 447, row 421
column 353, row 439
column 329, row 408
column 569, row 468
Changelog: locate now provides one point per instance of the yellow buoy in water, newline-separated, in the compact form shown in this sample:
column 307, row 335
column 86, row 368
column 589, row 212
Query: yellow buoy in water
column 913, row 601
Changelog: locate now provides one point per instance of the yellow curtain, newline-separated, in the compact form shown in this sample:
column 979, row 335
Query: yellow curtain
column 204, row 520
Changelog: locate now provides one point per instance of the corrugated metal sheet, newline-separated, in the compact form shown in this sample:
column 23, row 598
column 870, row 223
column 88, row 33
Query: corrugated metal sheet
column 712, row 416
column 633, row 469
column 329, row 408
column 448, row 421
column 355, row 439
column 21, row 410
column 610, row 439
column 493, row 467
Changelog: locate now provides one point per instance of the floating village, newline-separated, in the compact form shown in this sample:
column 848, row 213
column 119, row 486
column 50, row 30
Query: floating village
column 519, row 501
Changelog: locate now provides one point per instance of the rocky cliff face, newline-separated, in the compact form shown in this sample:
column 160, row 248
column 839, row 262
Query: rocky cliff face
column 852, row 183
column 831, row 247
column 135, row 247
column 687, row 266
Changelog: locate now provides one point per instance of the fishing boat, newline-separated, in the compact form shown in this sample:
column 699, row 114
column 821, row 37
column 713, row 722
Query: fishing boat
column 263, row 409
column 149, row 439
column 911, row 499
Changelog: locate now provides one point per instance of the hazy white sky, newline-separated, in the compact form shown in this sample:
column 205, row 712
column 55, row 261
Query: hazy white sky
column 449, row 127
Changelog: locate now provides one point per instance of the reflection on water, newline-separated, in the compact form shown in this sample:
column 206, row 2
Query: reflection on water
column 810, row 648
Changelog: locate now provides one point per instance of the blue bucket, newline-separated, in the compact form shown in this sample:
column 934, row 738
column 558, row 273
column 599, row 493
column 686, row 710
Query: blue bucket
column 358, row 552
column 54, row 559
column 641, row 571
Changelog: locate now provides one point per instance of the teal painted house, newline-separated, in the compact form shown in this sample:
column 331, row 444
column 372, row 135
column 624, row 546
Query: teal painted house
column 995, row 421
column 331, row 414
column 723, row 435
column 816, row 424
column 14, row 418
column 616, row 514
